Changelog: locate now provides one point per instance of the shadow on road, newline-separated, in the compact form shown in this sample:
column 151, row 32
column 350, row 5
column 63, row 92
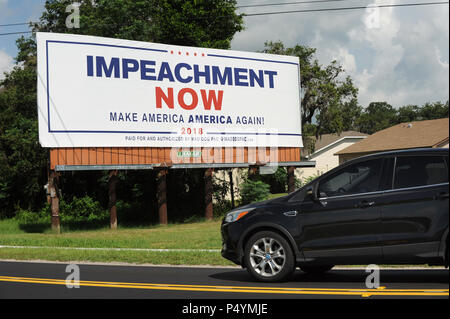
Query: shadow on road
column 387, row 276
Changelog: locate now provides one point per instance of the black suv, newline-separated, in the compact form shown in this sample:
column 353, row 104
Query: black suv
column 389, row 208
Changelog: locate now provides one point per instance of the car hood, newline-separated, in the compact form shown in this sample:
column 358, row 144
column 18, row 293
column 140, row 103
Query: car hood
column 269, row 202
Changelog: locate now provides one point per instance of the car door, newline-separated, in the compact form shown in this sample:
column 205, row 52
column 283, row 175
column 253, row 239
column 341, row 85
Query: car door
column 343, row 225
column 415, row 211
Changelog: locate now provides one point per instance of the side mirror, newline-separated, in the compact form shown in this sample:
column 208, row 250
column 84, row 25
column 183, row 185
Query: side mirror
column 312, row 193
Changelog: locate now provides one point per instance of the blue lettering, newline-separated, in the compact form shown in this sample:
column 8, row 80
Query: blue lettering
column 258, row 78
column 129, row 65
column 222, row 78
column 145, row 70
column 182, row 72
column 178, row 72
column 90, row 65
column 271, row 74
column 238, row 77
column 206, row 74
column 165, row 72
column 114, row 66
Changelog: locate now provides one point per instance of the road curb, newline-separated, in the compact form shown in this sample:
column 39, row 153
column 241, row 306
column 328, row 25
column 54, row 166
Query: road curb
column 201, row 266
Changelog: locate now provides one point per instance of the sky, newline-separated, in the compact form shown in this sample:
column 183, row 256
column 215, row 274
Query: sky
column 397, row 55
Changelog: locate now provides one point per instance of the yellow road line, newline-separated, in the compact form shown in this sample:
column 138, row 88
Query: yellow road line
column 274, row 290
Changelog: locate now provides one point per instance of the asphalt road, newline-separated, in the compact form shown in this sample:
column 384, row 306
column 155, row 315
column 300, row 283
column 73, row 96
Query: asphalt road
column 48, row 280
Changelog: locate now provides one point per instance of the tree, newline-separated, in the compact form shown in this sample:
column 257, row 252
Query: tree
column 23, row 163
column 377, row 116
column 432, row 111
column 381, row 115
column 204, row 23
column 326, row 92
column 407, row 113
column 253, row 191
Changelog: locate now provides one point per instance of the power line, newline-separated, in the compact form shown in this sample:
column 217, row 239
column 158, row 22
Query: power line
column 11, row 33
column 299, row 11
column 288, row 3
column 346, row 8
column 15, row 24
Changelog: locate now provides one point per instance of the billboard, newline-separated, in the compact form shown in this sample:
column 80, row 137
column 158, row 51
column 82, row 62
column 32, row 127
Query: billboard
column 102, row 92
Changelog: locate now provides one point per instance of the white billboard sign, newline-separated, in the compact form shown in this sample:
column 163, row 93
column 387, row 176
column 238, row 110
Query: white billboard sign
column 102, row 92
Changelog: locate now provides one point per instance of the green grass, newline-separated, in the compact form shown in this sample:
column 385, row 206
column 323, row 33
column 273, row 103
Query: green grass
column 195, row 235
column 272, row 196
column 200, row 235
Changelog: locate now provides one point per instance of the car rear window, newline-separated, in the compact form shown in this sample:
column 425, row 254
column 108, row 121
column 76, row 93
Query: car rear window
column 412, row 171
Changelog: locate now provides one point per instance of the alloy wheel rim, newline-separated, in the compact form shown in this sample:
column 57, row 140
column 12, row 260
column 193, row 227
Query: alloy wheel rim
column 267, row 257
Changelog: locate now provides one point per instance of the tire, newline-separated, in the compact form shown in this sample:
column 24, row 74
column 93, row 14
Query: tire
column 316, row 270
column 269, row 257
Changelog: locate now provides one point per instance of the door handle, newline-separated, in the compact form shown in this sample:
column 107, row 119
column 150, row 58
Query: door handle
column 365, row 204
column 291, row 213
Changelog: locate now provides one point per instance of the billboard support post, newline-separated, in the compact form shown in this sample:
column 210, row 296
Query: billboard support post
column 54, row 195
column 230, row 174
column 112, row 183
column 161, row 195
column 291, row 179
column 208, row 194
column 253, row 172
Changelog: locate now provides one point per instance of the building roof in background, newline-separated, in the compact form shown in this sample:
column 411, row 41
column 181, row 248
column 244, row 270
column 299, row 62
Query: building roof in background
column 429, row 133
column 328, row 140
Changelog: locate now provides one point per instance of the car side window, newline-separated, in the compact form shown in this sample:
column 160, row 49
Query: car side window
column 362, row 177
column 412, row 171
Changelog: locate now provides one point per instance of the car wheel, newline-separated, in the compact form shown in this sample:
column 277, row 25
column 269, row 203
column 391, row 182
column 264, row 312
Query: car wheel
column 269, row 257
column 316, row 270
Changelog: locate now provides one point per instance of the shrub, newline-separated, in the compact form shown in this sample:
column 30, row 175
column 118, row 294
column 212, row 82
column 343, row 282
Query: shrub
column 254, row 191
column 80, row 213
column 83, row 209
column 220, row 208
column 309, row 179
column 34, row 221
column 26, row 217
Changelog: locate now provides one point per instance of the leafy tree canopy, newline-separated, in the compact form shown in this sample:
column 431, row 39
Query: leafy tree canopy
column 23, row 163
column 328, row 96
column 204, row 23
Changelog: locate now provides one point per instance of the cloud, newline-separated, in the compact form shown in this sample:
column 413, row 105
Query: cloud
column 6, row 63
column 398, row 55
column 4, row 11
